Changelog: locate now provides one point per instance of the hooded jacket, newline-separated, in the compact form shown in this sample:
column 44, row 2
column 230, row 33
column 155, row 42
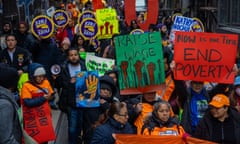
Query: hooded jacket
column 10, row 128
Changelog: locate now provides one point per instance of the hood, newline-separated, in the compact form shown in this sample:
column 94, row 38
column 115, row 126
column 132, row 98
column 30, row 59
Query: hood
column 31, row 69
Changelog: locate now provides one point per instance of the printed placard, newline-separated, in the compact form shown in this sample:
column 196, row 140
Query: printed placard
column 87, row 89
column 60, row 18
column 88, row 28
column 42, row 26
column 86, row 14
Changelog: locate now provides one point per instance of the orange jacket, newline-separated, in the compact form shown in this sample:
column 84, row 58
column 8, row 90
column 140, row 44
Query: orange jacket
column 164, row 131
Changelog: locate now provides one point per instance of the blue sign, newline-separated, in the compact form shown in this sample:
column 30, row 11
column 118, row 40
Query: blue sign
column 87, row 89
column 89, row 28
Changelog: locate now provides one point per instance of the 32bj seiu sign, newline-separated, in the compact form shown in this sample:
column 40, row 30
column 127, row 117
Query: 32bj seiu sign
column 205, row 56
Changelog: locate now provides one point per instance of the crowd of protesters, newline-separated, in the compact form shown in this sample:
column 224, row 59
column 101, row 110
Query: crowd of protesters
column 180, row 108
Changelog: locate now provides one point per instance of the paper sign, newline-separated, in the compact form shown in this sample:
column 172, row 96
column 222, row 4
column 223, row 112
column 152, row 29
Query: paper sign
column 140, row 59
column 100, row 64
column 205, row 56
column 107, row 23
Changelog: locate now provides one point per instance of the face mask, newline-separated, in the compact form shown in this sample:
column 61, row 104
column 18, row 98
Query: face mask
column 237, row 90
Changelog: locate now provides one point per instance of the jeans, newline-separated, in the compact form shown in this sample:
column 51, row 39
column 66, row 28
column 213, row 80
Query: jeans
column 75, row 120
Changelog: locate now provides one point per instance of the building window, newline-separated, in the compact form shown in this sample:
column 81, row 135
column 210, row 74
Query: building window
column 229, row 13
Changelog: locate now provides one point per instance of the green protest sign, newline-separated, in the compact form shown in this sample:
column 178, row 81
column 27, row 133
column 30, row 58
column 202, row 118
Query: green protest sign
column 97, row 63
column 140, row 60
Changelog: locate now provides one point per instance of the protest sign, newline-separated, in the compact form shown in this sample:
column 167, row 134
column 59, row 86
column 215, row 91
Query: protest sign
column 152, row 12
column 137, row 31
column 86, row 14
column 205, row 56
column 100, row 64
column 60, row 18
column 107, row 22
column 87, row 89
column 42, row 26
column 155, row 139
column 38, row 122
column 185, row 24
column 88, row 28
column 140, row 59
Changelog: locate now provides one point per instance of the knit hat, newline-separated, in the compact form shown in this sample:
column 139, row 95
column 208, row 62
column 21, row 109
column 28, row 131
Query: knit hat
column 39, row 71
column 106, row 82
column 220, row 100
column 66, row 41
column 8, row 76
column 237, row 81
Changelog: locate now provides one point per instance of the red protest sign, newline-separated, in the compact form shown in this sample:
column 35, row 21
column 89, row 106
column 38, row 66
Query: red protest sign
column 152, row 12
column 205, row 56
column 38, row 122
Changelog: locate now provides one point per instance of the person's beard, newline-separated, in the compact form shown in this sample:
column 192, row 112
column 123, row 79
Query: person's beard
column 74, row 62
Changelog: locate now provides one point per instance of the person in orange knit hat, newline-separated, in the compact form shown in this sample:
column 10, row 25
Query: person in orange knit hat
column 221, row 123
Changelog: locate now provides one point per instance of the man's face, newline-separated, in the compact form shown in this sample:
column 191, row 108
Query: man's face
column 11, row 42
column 22, row 28
column 6, row 27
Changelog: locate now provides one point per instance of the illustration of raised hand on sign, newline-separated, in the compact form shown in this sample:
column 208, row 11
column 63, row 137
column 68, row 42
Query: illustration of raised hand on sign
column 138, row 67
column 91, row 83
column 124, row 66
column 151, row 68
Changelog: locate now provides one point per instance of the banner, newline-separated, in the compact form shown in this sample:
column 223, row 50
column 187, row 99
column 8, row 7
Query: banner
column 143, row 139
column 87, row 89
column 205, row 56
column 100, row 64
column 140, row 59
column 38, row 122
column 107, row 23
column 42, row 26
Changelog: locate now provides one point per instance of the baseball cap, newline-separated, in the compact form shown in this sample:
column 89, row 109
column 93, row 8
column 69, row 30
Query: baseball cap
column 220, row 100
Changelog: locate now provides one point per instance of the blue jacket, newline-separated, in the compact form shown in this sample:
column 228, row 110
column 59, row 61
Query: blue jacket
column 103, row 133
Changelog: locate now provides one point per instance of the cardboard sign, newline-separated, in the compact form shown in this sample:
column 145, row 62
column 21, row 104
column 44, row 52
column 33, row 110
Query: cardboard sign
column 205, row 56
column 86, row 14
column 42, row 26
column 38, row 122
column 87, row 89
column 152, row 12
column 140, row 59
column 100, row 64
column 60, row 18
column 107, row 22
column 88, row 28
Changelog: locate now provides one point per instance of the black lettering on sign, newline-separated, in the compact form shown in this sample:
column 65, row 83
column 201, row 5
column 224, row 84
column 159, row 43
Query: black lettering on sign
column 186, row 39
column 42, row 118
column 228, row 41
column 203, row 71
column 209, row 55
column 30, row 123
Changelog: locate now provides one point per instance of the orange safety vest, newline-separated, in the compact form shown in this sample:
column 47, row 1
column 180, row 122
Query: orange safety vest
column 165, row 131
column 166, row 92
column 146, row 111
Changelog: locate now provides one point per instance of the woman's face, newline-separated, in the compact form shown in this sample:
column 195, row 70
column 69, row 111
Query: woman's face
column 80, row 41
column 105, row 93
column 39, row 79
column 114, row 77
column 163, row 112
column 122, row 117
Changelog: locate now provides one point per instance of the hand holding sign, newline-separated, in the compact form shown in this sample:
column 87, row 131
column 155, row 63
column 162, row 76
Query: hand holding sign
column 91, row 84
